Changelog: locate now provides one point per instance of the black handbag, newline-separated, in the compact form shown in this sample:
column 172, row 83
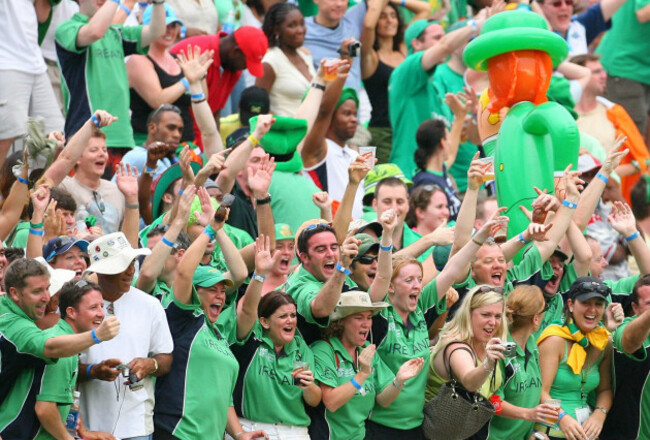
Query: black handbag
column 455, row 413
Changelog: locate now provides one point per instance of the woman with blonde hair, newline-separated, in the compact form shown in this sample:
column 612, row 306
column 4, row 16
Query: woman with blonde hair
column 521, row 389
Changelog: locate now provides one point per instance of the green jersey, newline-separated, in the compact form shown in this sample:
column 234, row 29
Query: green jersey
column 94, row 77
column 291, row 202
column 336, row 367
column 59, row 380
column 22, row 346
column 265, row 391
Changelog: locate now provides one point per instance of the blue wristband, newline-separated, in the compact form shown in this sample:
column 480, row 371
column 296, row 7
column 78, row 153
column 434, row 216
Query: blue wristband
column 632, row 236
column 342, row 269
column 125, row 9
column 35, row 232
column 95, row 338
column 183, row 33
column 198, row 96
column 167, row 242
column 569, row 204
column 355, row 384
column 23, row 181
column 88, row 375
column 523, row 6
column 522, row 239
column 602, row 177
column 95, row 120
column 116, row 1
column 210, row 232
column 180, row 192
column 559, row 416
column 185, row 83
column 386, row 248
column 149, row 170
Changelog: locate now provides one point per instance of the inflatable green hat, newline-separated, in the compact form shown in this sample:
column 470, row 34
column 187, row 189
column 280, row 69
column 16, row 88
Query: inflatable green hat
column 510, row 31
column 282, row 140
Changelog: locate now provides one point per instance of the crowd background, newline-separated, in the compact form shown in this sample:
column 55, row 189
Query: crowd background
column 195, row 242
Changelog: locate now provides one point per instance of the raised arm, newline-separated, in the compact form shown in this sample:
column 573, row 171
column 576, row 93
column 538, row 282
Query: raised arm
column 636, row 332
column 357, row 171
column 581, row 251
column 13, row 205
column 71, row 345
column 623, row 221
column 441, row 236
column 309, row 106
column 459, row 104
column 575, row 72
column 379, row 286
column 127, row 182
column 467, row 212
column 97, row 25
column 157, row 26
column 40, row 200
column 144, row 80
column 213, row 166
column 609, row 8
column 335, row 398
column 369, row 57
column 155, row 152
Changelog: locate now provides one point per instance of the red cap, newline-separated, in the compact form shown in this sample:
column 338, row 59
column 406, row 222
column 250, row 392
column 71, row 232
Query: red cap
column 254, row 44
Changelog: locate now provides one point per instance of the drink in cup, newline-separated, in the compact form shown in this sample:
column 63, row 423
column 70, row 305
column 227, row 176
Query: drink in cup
column 539, row 215
column 331, row 69
column 500, row 231
column 368, row 154
column 299, row 367
column 555, row 403
column 487, row 165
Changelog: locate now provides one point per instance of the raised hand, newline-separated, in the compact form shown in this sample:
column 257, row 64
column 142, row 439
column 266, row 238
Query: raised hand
column 40, row 199
column 264, row 260
column 537, row 232
column 615, row 156
column 349, row 249
column 388, row 221
column 486, row 230
column 195, row 64
column 442, row 235
column 457, row 105
column 185, row 204
column 259, row 181
column 216, row 162
column 475, row 173
column 206, row 216
column 622, row 219
column 322, row 200
column 127, row 180
column 104, row 117
column 358, row 170
column 614, row 316
column 108, row 329
column 155, row 152
column 409, row 370
column 264, row 123
column 365, row 358
column 186, row 168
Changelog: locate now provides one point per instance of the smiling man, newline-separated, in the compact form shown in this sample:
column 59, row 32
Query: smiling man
column 145, row 344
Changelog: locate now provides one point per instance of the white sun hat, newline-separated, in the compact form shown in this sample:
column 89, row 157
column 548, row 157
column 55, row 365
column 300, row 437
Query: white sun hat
column 58, row 277
column 112, row 254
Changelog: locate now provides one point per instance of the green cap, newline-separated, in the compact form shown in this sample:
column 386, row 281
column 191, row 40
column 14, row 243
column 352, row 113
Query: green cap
column 414, row 30
column 367, row 244
column 208, row 276
column 380, row 172
column 348, row 93
column 510, row 31
column 282, row 141
column 283, row 232
column 166, row 179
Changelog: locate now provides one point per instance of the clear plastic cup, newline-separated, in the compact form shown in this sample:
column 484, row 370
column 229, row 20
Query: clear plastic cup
column 500, row 231
column 556, row 404
column 487, row 165
column 368, row 154
column 330, row 68
column 299, row 367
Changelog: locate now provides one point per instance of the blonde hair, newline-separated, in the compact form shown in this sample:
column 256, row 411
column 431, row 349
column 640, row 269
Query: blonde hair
column 460, row 326
column 523, row 303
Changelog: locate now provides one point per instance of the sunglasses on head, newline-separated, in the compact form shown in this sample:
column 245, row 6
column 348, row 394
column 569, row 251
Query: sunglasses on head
column 591, row 286
column 366, row 259
column 486, row 289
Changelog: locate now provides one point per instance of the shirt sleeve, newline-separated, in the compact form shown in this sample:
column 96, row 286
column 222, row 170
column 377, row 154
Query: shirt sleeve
column 66, row 36
column 429, row 300
column 639, row 355
column 53, row 383
column 325, row 363
column 131, row 39
column 409, row 79
column 594, row 22
column 382, row 375
column 161, row 338
column 25, row 337
column 638, row 4
column 529, row 266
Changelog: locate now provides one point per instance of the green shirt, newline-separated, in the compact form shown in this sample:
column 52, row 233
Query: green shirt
column 303, row 287
column 265, row 391
column 522, row 387
column 398, row 342
column 626, row 45
column 291, row 200
column 192, row 400
column 22, row 346
column 336, row 367
column 446, row 81
column 412, row 100
column 59, row 380
column 94, row 77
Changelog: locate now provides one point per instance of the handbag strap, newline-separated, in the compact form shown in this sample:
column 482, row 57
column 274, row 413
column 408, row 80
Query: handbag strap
column 447, row 359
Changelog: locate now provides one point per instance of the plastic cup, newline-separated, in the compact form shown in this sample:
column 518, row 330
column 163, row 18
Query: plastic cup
column 368, row 154
column 539, row 215
column 331, row 69
column 487, row 165
column 500, row 231
column 299, row 367
column 556, row 404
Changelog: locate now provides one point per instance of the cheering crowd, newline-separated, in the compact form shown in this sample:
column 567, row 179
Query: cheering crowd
column 240, row 219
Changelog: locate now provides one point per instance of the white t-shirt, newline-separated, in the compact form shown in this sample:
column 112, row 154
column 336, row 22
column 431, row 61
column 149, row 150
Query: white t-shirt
column 19, row 38
column 290, row 84
column 60, row 13
column 143, row 331
column 106, row 203
column 335, row 167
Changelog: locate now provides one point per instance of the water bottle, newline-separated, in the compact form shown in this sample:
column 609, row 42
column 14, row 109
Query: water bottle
column 229, row 24
column 73, row 415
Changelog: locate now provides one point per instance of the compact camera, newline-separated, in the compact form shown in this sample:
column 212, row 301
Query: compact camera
column 134, row 384
column 510, row 349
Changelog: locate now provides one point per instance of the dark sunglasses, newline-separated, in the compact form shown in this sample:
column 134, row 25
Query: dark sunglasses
column 590, row 286
column 366, row 259
column 558, row 3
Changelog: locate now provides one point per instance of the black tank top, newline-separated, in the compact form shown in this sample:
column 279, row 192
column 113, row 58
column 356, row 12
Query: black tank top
column 140, row 110
column 377, row 88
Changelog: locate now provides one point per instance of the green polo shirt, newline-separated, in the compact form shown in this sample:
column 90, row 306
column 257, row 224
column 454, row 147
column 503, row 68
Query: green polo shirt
column 303, row 287
column 398, row 342
column 522, row 387
column 336, row 367
column 265, row 391
column 59, row 380
column 291, row 200
column 22, row 346
column 192, row 400
column 621, row 288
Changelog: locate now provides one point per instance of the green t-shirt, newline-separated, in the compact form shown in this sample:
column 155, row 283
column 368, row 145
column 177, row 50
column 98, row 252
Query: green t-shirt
column 412, row 100
column 336, row 367
column 625, row 47
column 522, row 387
column 291, row 200
column 94, row 77
column 446, row 81
column 59, row 380
column 18, row 237
column 22, row 346
column 192, row 400
column 265, row 391
column 398, row 342
column 622, row 287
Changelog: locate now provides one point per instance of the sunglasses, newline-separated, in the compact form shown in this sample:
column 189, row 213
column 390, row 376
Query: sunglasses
column 100, row 202
column 316, row 225
column 432, row 188
column 558, row 3
column 81, row 284
column 591, row 286
column 487, row 289
column 366, row 259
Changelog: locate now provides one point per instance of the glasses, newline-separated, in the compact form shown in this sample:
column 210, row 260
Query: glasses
column 432, row 188
column 160, row 228
column 366, row 259
column 100, row 202
column 558, row 3
column 487, row 289
column 81, row 284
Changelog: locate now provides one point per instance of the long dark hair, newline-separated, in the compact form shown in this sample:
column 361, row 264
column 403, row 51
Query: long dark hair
column 273, row 301
column 398, row 39
column 274, row 18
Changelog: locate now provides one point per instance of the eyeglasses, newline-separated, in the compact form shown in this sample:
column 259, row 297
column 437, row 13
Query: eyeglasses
column 558, row 3
column 487, row 289
column 160, row 228
column 100, row 202
column 366, row 259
